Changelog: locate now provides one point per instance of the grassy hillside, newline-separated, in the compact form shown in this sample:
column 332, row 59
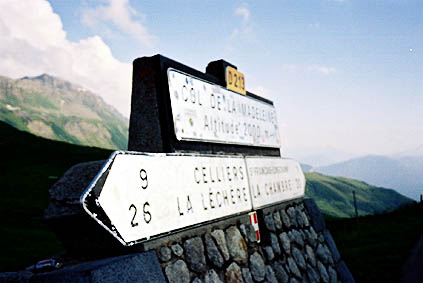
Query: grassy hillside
column 56, row 109
column 30, row 166
column 376, row 250
column 334, row 196
column 404, row 174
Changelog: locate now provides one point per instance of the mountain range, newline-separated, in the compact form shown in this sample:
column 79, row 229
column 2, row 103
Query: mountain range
column 402, row 173
column 334, row 196
column 56, row 109
column 318, row 155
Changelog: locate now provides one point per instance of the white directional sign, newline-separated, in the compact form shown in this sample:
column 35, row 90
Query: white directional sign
column 203, row 111
column 274, row 180
column 137, row 196
column 145, row 195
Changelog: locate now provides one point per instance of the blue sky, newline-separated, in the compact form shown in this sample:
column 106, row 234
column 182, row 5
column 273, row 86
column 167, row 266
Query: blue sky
column 345, row 75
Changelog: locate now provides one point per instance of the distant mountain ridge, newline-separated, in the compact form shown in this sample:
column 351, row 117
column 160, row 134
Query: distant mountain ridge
column 404, row 174
column 319, row 155
column 334, row 196
column 57, row 109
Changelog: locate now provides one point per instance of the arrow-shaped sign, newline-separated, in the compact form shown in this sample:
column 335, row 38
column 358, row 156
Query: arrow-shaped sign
column 137, row 196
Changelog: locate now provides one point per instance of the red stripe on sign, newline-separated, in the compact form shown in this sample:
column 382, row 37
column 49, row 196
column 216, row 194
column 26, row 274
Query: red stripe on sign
column 258, row 235
column 255, row 218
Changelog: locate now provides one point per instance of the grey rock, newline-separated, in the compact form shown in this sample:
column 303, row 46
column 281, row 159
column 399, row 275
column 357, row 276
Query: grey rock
column 177, row 249
column 219, row 237
column 324, row 254
column 194, row 254
column 293, row 268
column 333, row 277
column 177, row 272
column 312, row 237
column 233, row 273
column 129, row 268
column 299, row 259
column 212, row 277
column 332, row 246
column 248, row 232
column 323, row 273
column 213, row 252
column 270, row 275
column 277, row 220
column 286, row 243
column 257, row 267
column 293, row 280
column 296, row 237
column 268, row 222
column 285, row 219
column 292, row 216
column 321, row 238
column 280, row 272
column 344, row 273
column 197, row 280
column 269, row 253
column 316, row 218
column 66, row 192
column 305, row 219
column 165, row 254
column 299, row 217
column 312, row 275
column 310, row 255
column 236, row 245
column 275, row 243
column 243, row 231
column 19, row 276
column 303, row 234
column 246, row 274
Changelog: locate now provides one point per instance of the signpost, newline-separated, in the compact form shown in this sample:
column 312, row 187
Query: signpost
column 214, row 141
column 235, row 80
column 206, row 112
column 274, row 180
column 137, row 196
column 145, row 195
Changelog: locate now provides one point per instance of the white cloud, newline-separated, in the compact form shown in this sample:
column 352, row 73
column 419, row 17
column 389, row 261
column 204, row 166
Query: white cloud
column 314, row 26
column 244, row 30
column 122, row 16
column 35, row 43
column 319, row 69
column 243, row 12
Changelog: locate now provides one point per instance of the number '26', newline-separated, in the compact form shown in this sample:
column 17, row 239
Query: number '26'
column 132, row 207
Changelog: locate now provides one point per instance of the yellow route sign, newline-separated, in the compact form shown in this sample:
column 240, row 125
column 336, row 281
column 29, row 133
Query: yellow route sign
column 235, row 80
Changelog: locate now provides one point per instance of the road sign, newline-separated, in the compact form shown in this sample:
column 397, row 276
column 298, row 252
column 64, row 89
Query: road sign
column 273, row 180
column 137, row 196
column 235, row 80
column 203, row 111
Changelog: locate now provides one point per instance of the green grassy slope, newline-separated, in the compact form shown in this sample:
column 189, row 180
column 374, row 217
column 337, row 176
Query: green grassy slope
column 334, row 196
column 30, row 166
column 56, row 109
column 376, row 250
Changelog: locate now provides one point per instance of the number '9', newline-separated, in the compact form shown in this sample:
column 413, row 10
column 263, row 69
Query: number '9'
column 143, row 176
